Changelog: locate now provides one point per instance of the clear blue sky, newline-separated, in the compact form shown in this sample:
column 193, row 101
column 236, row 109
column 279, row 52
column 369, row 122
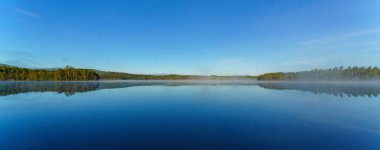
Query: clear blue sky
column 190, row 36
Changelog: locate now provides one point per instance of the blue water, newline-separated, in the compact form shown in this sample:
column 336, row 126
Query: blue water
column 188, row 115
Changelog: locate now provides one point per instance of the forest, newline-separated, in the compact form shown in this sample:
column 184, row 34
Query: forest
column 69, row 73
column 127, row 76
column 336, row 73
column 61, row 74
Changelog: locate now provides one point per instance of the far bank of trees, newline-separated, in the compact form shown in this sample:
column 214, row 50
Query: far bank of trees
column 13, row 73
column 61, row 74
column 336, row 73
column 127, row 76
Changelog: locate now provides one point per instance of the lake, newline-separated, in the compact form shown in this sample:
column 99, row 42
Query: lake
column 190, row 115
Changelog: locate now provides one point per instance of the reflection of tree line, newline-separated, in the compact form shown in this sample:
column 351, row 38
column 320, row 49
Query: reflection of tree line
column 70, row 88
column 67, row 88
column 336, row 89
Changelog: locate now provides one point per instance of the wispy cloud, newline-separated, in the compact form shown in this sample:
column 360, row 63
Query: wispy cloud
column 338, row 38
column 27, row 13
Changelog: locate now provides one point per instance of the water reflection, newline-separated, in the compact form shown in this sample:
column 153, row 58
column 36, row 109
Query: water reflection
column 364, row 89
column 337, row 89
column 71, row 88
column 68, row 88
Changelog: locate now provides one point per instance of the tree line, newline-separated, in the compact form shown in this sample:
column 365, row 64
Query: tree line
column 127, row 76
column 69, row 73
column 61, row 74
column 336, row 73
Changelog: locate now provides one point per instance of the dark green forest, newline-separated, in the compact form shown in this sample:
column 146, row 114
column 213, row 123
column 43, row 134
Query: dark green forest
column 69, row 73
column 336, row 73
column 61, row 74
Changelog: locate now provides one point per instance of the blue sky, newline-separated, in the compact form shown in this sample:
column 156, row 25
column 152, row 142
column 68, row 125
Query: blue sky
column 190, row 36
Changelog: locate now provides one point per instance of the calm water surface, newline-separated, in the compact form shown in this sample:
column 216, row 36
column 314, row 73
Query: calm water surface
column 188, row 115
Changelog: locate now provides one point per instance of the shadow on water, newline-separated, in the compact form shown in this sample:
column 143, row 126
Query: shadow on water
column 350, row 89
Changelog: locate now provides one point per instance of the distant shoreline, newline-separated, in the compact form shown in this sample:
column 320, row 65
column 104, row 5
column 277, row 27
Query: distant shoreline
column 14, row 73
column 341, row 74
